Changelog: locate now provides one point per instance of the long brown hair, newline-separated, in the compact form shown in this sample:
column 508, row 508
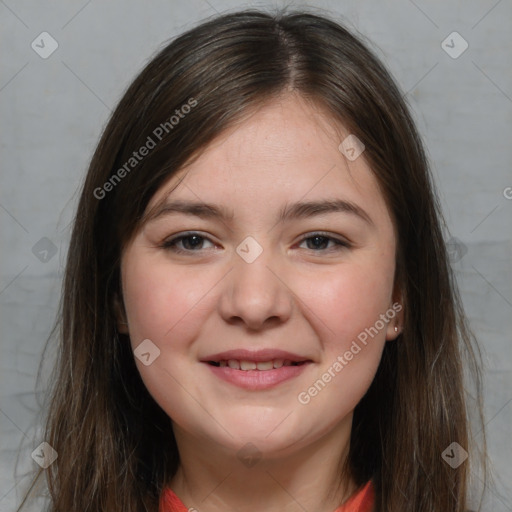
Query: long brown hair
column 115, row 444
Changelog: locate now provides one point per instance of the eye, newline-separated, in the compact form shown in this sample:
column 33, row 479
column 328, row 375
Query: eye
column 194, row 242
column 319, row 241
column 191, row 242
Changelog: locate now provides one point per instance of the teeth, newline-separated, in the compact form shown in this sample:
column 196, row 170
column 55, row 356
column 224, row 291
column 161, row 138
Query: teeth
column 267, row 365
column 247, row 365
column 260, row 365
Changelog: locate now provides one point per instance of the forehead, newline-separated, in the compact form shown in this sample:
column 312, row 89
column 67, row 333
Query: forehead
column 287, row 149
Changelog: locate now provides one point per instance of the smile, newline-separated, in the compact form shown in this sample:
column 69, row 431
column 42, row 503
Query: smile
column 245, row 365
column 256, row 370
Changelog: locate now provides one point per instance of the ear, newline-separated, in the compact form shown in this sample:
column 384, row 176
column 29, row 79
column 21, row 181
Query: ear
column 120, row 314
column 396, row 315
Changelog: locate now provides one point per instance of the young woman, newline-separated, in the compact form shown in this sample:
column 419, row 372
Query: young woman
column 258, row 312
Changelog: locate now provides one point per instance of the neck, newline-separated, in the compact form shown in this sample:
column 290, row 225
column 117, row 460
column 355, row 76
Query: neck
column 213, row 479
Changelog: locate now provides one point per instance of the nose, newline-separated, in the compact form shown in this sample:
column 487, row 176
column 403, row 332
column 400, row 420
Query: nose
column 256, row 294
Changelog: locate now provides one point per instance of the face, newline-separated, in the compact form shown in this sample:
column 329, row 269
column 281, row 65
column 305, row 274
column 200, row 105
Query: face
column 266, row 320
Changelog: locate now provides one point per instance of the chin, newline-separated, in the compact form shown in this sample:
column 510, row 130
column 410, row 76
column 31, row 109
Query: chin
column 272, row 438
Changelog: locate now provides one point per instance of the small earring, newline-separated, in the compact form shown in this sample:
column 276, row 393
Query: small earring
column 396, row 328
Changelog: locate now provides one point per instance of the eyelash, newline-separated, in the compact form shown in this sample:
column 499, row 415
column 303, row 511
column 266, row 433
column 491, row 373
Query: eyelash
column 171, row 244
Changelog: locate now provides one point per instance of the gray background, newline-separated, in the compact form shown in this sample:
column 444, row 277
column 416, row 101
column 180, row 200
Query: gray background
column 54, row 109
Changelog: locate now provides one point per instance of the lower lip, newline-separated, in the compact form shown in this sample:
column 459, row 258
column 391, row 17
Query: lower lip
column 257, row 379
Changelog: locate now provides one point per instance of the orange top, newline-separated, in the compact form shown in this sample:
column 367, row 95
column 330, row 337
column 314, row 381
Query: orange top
column 361, row 501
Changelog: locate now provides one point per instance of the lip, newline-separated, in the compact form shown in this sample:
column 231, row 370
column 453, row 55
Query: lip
column 266, row 354
column 255, row 380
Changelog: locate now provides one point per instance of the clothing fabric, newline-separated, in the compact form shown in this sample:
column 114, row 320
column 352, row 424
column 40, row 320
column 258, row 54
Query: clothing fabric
column 361, row 501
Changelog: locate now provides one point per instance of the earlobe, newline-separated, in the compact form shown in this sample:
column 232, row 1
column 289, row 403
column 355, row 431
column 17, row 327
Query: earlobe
column 396, row 317
column 394, row 328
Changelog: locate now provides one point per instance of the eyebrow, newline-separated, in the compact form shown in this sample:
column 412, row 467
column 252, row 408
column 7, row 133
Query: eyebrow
column 300, row 210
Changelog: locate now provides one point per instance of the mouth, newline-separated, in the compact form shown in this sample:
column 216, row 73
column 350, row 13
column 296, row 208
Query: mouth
column 246, row 365
column 256, row 370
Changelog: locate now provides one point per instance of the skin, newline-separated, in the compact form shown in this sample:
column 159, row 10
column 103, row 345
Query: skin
column 295, row 296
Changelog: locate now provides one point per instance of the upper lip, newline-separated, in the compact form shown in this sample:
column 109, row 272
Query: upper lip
column 267, row 354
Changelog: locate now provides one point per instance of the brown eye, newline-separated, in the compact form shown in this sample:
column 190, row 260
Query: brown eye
column 189, row 242
column 320, row 242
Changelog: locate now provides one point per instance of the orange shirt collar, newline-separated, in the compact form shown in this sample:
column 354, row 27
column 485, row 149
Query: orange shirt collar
column 362, row 501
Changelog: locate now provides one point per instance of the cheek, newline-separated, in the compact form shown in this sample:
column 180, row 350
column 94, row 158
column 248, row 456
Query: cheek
column 160, row 303
column 351, row 300
column 165, row 307
column 349, row 308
